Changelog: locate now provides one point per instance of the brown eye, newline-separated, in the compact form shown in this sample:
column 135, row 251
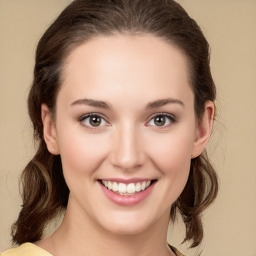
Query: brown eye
column 159, row 120
column 95, row 121
column 92, row 121
column 162, row 120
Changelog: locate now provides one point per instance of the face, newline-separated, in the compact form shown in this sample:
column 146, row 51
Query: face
column 126, row 131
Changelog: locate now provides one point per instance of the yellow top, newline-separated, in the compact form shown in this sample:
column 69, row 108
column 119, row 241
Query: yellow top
column 29, row 249
column 26, row 249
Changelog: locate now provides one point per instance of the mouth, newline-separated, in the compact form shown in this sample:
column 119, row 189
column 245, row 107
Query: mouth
column 127, row 189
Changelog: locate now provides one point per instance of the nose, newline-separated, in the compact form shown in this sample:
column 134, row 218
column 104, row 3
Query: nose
column 127, row 150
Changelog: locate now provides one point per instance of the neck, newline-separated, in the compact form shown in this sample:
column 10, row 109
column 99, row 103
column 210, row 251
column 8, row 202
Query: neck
column 79, row 235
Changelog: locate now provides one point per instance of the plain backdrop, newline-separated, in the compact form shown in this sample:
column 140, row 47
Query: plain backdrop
column 230, row 27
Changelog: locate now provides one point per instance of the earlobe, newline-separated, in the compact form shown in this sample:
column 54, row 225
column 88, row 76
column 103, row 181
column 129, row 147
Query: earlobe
column 204, row 129
column 49, row 130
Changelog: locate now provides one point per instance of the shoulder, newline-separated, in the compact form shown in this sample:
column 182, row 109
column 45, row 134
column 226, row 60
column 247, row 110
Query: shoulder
column 27, row 249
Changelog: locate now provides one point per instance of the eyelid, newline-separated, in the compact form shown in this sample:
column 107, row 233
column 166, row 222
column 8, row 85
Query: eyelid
column 83, row 117
column 172, row 118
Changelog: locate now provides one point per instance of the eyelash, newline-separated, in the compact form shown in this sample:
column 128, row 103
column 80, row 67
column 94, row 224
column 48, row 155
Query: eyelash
column 88, row 116
column 172, row 119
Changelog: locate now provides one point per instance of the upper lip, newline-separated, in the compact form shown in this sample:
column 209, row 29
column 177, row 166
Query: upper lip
column 127, row 181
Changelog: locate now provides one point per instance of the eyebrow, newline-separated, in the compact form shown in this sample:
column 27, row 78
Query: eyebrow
column 93, row 103
column 105, row 105
column 163, row 102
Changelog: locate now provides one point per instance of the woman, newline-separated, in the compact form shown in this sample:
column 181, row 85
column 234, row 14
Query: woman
column 122, row 105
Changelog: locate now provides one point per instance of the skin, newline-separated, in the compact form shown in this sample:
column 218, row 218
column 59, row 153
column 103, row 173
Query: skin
column 127, row 73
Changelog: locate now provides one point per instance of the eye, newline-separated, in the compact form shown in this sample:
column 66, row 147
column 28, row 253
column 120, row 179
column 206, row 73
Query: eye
column 161, row 120
column 93, row 120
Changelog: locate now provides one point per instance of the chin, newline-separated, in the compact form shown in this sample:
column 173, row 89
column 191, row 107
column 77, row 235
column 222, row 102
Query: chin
column 126, row 230
column 127, row 224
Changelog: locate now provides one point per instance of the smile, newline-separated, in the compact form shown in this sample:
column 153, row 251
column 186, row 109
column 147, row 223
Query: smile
column 126, row 189
column 127, row 192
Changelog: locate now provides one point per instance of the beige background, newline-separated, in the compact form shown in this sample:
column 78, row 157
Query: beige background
column 229, row 25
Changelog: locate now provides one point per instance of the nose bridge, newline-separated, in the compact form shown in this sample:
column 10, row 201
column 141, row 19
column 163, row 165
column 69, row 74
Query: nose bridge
column 127, row 151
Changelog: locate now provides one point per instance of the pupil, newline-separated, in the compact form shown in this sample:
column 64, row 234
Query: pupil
column 159, row 120
column 95, row 121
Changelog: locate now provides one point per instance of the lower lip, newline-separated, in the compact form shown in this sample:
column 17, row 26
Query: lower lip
column 127, row 200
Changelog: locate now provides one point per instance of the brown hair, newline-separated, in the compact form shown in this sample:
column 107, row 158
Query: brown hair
column 45, row 192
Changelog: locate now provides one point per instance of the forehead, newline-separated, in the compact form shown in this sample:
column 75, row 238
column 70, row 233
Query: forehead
column 127, row 64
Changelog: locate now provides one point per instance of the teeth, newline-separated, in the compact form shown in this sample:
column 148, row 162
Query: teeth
column 109, row 185
column 138, row 187
column 128, row 189
column 115, row 186
column 143, row 186
column 122, row 188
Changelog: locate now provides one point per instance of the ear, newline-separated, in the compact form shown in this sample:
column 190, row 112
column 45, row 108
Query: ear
column 204, row 128
column 50, row 137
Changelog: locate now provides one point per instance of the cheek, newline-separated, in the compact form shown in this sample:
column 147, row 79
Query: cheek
column 81, row 153
column 172, row 155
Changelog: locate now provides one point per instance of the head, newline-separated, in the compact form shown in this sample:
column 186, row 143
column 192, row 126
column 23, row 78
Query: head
column 84, row 22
